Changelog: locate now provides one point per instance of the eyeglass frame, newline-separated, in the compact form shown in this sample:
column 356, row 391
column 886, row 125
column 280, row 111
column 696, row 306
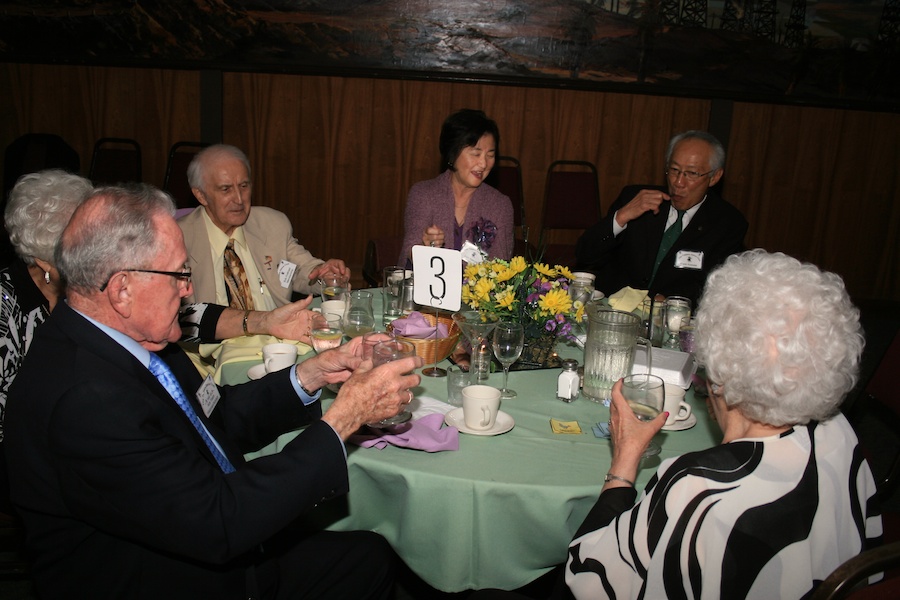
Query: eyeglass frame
column 688, row 175
column 181, row 275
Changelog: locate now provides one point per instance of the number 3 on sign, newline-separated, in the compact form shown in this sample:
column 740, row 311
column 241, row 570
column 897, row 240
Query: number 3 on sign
column 437, row 273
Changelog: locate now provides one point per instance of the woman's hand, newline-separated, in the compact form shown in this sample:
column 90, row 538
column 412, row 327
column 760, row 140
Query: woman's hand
column 433, row 236
column 629, row 436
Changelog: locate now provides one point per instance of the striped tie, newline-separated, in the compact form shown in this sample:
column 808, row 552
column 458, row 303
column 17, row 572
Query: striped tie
column 165, row 376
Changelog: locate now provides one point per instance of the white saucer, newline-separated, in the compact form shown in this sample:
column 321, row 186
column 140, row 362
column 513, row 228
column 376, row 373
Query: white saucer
column 257, row 371
column 502, row 424
column 681, row 425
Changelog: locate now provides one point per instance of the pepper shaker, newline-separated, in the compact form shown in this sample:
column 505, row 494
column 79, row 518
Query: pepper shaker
column 567, row 383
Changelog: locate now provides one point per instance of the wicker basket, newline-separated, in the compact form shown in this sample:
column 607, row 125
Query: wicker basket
column 434, row 350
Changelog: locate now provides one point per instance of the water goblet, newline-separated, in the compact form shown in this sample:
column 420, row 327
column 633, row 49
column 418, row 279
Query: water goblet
column 385, row 352
column 326, row 332
column 509, row 339
column 476, row 326
column 646, row 395
column 359, row 317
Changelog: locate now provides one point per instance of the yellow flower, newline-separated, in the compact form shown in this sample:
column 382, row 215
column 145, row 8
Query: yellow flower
column 498, row 266
column 555, row 302
column 518, row 264
column 545, row 270
column 483, row 288
column 471, row 272
column 505, row 275
column 564, row 271
column 505, row 299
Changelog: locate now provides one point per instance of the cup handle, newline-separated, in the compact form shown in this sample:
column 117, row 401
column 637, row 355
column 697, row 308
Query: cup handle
column 647, row 348
column 684, row 411
column 486, row 416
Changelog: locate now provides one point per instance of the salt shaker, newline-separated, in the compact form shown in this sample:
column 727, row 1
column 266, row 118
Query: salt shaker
column 567, row 384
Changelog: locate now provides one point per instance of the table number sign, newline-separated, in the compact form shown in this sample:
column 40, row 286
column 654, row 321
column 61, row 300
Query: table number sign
column 437, row 273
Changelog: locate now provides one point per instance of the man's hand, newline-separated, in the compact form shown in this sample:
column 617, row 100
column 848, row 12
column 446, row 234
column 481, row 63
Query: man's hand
column 372, row 394
column 333, row 366
column 644, row 201
column 333, row 265
column 289, row 322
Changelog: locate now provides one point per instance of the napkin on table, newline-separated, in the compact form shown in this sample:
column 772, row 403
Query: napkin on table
column 414, row 325
column 627, row 299
column 243, row 348
column 424, row 433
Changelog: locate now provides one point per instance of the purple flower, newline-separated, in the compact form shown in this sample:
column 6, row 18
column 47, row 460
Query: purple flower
column 550, row 325
column 483, row 233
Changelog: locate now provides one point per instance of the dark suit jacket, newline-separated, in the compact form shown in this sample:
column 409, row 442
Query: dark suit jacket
column 717, row 230
column 120, row 496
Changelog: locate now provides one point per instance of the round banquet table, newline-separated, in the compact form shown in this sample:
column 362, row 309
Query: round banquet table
column 501, row 510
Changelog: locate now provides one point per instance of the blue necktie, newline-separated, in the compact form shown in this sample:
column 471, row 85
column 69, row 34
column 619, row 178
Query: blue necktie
column 162, row 372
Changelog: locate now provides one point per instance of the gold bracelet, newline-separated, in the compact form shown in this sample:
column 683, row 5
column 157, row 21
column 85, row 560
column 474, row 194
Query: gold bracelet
column 610, row 477
column 244, row 325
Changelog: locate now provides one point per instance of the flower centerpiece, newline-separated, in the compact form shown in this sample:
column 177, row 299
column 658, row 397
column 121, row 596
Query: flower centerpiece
column 533, row 294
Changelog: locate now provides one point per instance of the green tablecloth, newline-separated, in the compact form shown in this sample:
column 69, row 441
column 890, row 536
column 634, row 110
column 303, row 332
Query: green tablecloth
column 501, row 510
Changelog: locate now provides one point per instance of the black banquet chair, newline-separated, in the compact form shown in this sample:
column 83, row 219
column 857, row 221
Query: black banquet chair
column 115, row 160
column 175, row 181
column 571, row 205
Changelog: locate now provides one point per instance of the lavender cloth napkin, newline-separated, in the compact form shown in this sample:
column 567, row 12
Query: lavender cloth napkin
column 424, row 433
column 414, row 325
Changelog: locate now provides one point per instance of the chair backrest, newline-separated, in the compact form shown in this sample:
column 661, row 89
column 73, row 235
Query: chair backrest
column 115, row 160
column 506, row 176
column 34, row 152
column 175, row 182
column 380, row 253
column 571, row 205
column 571, row 195
column 841, row 582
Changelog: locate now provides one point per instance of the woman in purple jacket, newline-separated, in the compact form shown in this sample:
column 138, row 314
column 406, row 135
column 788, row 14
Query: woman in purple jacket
column 457, row 206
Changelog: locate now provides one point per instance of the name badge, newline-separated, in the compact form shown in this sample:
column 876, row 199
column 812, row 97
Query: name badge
column 689, row 259
column 286, row 272
column 208, row 395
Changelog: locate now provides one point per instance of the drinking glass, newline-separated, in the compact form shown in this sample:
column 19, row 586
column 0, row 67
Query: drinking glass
column 646, row 395
column 334, row 287
column 509, row 339
column 677, row 309
column 359, row 317
column 372, row 339
column 392, row 291
column 476, row 326
column 326, row 332
column 385, row 352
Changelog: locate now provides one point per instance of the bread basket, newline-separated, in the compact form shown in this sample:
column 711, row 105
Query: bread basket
column 434, row 350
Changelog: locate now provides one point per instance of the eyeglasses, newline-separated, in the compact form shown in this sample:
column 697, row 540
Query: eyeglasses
column 180, row 275
column 675, row 173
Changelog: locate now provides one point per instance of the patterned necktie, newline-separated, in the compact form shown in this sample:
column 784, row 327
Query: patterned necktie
column 236, row 285
column 162, row 372
column 668, row 240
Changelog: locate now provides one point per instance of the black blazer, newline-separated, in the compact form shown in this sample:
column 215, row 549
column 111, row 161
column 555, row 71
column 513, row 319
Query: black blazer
column 717, row 230
column 119, row 495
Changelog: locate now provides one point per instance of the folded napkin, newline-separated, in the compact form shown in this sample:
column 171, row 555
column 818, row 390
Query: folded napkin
column 424, row 433
column 627, row 299
column 564, row 426
column 414, row 325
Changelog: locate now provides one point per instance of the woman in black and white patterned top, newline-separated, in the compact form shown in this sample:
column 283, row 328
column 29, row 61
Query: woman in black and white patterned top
column 787, row 497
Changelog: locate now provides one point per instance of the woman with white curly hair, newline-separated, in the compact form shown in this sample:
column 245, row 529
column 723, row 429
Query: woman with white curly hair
column 787, row 497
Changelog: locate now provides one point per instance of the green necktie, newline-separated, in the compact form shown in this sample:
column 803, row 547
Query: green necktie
column 668, row 240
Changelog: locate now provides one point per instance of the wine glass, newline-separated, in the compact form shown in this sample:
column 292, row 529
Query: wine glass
column 372, row 339
column 326, row 332
column 476, row 326
column 646, row 395
column 509, row 339
column 385, row 352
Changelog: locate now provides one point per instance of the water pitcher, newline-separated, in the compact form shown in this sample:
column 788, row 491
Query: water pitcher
column 609, row 350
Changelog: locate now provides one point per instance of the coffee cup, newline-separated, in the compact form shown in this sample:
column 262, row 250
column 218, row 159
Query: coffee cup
column 678, row 409
column 334, row 307
column 480, row 406
column 279, row 356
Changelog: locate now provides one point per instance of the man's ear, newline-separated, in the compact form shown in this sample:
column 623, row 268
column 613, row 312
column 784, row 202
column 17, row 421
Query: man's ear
column 199, row 195
column 716, row 177
column 119, row 294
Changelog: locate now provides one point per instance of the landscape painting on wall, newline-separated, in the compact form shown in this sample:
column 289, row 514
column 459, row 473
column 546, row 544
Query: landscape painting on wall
column 829, row 52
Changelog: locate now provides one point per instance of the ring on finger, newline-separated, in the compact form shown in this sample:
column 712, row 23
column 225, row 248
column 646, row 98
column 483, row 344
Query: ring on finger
column 433, row 243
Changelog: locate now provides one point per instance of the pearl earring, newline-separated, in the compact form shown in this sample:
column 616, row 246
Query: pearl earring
column 47, row 277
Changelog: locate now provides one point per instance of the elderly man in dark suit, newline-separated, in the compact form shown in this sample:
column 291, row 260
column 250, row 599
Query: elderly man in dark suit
column 667, row 239
column 127, row 467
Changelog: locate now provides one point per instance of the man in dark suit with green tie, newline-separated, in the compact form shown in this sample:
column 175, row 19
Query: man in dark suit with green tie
column 666, row 239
